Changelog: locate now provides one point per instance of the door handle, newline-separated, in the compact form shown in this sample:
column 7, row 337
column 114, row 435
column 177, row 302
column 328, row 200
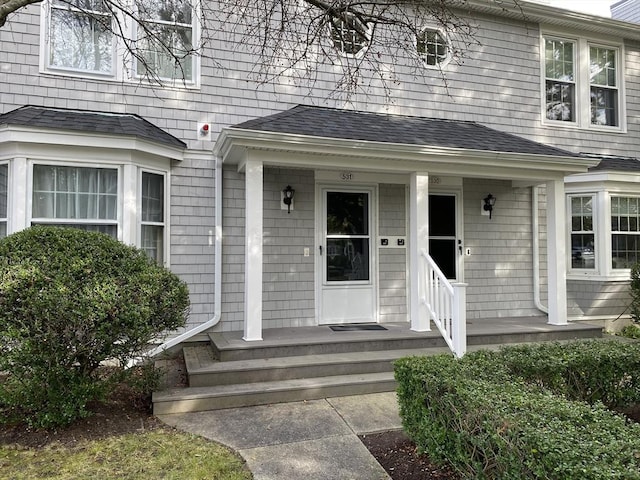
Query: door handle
column 320, row 247
column 460, row 246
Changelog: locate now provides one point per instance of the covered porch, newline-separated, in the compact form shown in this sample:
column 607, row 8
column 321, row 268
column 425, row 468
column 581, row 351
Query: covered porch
column 359, row 153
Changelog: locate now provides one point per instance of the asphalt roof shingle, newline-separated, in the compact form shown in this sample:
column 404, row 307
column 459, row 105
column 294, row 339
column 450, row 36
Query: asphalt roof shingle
column 613, row 163
column 399, row 129
column 89, row 121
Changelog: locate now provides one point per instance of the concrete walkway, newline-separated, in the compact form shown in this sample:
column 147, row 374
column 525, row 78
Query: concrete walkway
column 315, row 439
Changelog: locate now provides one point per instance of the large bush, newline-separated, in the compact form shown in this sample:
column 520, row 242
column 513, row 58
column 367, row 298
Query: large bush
column 69, row 301
column 522, row 412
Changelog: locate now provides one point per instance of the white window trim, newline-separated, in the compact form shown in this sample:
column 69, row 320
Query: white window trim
column 44, row 221
column 360, row 52
column 7, row 219
column 166, row 250
column 583, row 272
column 123, row 68
column 604, row 270
column 582, row 81
column 446, row 38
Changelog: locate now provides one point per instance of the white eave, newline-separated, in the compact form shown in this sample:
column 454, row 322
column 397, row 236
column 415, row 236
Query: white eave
column 539, row 13
column 22, row 137
column 325, row 152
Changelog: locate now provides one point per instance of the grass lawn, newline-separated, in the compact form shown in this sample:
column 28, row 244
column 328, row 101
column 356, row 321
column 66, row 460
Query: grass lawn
column 158, row 454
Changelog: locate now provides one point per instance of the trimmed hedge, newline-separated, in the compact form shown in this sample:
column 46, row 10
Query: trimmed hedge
column 69, row 300
column 481, row 417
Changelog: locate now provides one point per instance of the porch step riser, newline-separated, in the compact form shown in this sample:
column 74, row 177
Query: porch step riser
column 215, row 402
column 237, row 354
column 287, row 373
column 326, row 348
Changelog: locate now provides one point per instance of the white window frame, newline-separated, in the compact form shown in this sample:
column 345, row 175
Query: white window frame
column 165, row 217
column 58, row 221
column 123, row 68
column 595, row 218
column 6, row 220
column 340, row 49
column 611, row 232
column 441, row 62
column 582, row 81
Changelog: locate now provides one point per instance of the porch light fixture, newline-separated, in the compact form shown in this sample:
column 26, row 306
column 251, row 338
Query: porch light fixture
column 489, row 202
column 287, row 197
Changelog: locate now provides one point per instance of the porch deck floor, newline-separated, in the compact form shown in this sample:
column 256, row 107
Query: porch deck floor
column 323, row 334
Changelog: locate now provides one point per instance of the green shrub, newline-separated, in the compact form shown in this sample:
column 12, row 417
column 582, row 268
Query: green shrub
column 634, row 290
column 491, row 428
column 631, row 331
column 591, row 371
column 69, row 301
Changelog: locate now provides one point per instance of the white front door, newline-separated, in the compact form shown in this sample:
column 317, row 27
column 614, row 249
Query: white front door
column 346, row 241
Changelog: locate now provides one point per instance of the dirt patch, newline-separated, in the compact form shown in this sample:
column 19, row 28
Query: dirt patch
column 398, row 456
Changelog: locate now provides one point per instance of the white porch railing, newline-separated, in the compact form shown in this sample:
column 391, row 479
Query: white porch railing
column 446, row 303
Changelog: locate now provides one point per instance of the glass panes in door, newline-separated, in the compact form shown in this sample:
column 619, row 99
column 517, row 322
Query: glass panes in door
column 347, row 237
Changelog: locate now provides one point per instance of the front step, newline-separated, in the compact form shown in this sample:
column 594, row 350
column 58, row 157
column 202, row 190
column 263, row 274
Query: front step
column 203, row 371
column 197, row 399
column 306, row 364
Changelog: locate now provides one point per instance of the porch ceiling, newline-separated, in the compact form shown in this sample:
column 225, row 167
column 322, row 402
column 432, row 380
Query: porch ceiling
column 331, row 138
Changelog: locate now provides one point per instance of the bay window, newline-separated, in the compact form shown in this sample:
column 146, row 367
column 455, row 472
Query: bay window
column 582, row 232
column 152, row 216
column 625, row 231
column 4, row 199
column 582, row 82
column 82, row 197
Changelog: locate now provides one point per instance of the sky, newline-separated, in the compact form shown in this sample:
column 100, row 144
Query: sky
column 594, row 7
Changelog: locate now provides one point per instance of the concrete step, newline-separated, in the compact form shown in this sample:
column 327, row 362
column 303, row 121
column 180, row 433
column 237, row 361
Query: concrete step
column 197, row 399
column 203, row 370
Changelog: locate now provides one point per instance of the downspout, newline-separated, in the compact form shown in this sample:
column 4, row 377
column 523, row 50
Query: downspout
column 535, row 248
column 217, row 295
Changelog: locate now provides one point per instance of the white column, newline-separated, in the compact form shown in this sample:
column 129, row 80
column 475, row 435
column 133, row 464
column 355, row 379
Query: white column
column 19, row 195
column 556, row 252
column 253, row 251
column 418, row 241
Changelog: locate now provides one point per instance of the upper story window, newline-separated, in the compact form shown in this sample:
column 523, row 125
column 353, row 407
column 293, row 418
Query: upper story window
column 4, row 199
column 560, row 85
column 432, row 46
column 80, row 40
column 350, row 37
column 581, row 83
column 79, row 36
column 167, row 53
column 604, row 86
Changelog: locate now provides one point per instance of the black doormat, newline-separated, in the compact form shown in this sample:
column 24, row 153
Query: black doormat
column 351, row 328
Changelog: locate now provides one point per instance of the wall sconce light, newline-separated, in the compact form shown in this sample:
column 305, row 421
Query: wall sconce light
column 287, row 197
column 489, row 202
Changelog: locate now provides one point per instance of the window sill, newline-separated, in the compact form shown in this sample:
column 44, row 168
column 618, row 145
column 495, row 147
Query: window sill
column 595, row 277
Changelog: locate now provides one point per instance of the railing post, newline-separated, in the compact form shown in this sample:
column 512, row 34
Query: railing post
column 459, row 317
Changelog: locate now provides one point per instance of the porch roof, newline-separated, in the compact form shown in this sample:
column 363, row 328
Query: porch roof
column 328, row 138
column 388, row 128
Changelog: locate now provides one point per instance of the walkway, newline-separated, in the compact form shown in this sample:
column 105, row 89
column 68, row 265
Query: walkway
column 314, row 440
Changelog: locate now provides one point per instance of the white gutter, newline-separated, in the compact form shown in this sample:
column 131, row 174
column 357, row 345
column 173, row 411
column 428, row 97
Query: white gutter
column 217, row 295
column 535, row 247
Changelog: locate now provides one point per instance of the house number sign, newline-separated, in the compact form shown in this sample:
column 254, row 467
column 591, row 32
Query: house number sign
column 346, row 176
column 434, row 180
